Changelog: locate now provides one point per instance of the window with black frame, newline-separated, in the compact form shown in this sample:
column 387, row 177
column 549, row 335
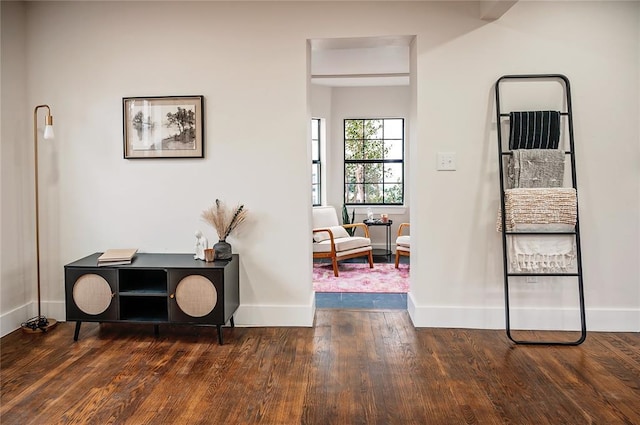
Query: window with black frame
column 374, row 161
column 316, row 165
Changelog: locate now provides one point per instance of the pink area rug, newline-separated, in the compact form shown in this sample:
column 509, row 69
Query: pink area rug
column 358, row 277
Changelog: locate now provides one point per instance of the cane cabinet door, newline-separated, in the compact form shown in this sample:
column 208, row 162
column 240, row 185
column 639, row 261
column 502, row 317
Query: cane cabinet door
column 90, row 294
column 196, row 296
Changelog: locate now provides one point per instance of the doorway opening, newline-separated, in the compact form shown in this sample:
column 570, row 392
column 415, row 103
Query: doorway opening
column 367, row 78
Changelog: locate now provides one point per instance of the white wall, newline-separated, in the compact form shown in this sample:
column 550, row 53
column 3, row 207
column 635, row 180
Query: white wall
column 249, row 60
column 255, row 97
column 594, row 44
column 17, row 281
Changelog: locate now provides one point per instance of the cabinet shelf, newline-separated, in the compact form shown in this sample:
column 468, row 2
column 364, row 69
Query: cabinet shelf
column 144, row 293
column 144, row 308
column 142, row 280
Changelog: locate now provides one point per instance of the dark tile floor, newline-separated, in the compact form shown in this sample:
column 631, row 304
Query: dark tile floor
column 364, row 300
column 361, row 300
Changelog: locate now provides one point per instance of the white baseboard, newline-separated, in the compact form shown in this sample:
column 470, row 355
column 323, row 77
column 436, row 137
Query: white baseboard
column 613, row 320
column 566, row 319
column 598, row 319
column 246, row 315
column 455, row 317
column 12, row 320
column 256, row 315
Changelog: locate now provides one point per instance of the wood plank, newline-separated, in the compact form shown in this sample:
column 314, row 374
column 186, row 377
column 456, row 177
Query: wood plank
column 353, row 366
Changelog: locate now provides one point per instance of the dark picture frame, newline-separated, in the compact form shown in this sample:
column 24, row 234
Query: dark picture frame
column 163, row 127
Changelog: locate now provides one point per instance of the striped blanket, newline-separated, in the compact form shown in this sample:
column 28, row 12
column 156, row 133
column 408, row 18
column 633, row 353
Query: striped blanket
column 534, row 130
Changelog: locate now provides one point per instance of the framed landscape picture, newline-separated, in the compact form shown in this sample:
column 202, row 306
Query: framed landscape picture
column 163, row 127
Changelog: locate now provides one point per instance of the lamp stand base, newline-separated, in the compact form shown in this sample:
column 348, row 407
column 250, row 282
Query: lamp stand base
column 39, row 324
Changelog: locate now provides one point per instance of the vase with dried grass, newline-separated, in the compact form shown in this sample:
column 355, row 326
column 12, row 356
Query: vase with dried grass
column 225, row 222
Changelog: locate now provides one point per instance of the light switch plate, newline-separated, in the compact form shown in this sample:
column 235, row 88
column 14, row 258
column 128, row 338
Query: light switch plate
column 446, row 161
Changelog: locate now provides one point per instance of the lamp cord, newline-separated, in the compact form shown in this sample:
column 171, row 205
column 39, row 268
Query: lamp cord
column 38, row 322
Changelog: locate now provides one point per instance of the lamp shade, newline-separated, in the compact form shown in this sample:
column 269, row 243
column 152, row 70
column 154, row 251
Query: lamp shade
column 48, row 128
column 48, row 132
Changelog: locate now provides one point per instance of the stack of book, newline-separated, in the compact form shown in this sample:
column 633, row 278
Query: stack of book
column 115, row 257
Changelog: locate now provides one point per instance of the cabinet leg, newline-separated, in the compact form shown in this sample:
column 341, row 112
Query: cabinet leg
column 219, row 334
column 156, row 330
column 232, row 323
column 77, row 331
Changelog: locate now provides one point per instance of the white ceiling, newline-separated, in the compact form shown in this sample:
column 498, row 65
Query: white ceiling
column 361, row 61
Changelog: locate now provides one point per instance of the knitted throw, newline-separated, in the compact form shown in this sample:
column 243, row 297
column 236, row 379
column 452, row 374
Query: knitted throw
column 538, row 206
column 535, row 168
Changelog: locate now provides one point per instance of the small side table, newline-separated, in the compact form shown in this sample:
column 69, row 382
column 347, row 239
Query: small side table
column 386, row 253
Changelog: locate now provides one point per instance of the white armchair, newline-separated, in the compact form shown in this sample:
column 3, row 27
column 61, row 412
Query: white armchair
column 331, row 239
column 403, row 243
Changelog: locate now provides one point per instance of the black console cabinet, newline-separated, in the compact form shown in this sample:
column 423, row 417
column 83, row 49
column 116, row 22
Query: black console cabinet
column 155, row 289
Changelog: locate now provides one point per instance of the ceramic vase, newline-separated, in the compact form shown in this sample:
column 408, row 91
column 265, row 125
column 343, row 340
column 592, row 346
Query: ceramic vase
column 223, row 250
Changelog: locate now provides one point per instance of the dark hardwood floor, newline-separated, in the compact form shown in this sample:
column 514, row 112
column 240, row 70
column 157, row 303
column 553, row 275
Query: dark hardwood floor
column 353, row 367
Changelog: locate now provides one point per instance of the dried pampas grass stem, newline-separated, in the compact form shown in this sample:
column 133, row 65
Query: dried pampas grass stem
column 225, row 222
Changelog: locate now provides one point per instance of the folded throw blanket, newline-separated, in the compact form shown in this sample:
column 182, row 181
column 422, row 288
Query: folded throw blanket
column 535, row 168
column 534, row 130
column 541, row 253
column 538, row 206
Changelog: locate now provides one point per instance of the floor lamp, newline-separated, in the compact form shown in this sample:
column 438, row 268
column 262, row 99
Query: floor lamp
column 39, row 323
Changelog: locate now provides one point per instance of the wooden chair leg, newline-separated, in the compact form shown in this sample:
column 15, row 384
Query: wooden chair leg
column 397, row 258
column 334, row 261
column 370, row 260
